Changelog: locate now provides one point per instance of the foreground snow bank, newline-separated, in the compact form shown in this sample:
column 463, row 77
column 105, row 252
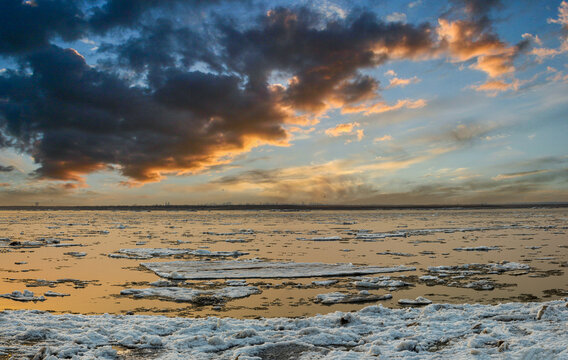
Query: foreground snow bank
column 512, row 331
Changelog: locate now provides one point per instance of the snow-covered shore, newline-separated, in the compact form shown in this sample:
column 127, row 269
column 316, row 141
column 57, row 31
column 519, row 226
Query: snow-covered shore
column 509, row 331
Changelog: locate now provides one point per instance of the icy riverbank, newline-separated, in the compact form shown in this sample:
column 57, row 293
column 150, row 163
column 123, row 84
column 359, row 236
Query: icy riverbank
column 512, row 330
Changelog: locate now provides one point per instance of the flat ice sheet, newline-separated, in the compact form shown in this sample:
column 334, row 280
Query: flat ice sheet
column 438, row 331
column 208, row 270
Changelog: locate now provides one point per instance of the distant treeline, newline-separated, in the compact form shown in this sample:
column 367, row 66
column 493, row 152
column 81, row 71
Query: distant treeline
column 287, row 207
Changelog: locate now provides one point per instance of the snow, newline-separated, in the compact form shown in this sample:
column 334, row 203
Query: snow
column 190, row 295
column 235, row 269
column 510, row 331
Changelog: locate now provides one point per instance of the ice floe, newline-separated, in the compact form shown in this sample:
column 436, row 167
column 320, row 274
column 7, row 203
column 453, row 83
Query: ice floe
column 342, row 298
column 416, row 302
column 76, row 254
column 373, row 236
column 478, row 248
column 191, row 295
column 54, row 294
column 480, row 285
column 26, row 295
column 321, row 238
column 474, row 268
column 512, row 331
column 324, row 282
column 394, row 253
column 235, row 269
column 148, row 253
column 380, row 282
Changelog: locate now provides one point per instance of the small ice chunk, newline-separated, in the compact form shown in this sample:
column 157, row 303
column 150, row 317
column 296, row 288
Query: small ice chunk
column 429, row 278
column 480, row 285
column 478, row 248
column 341, row 298
column 418, row 301
column 322, row 238
column 75, row 254
column 54, row 294
column 235, row 240
column 236, row 282
column 324, row 282
column 394, row 253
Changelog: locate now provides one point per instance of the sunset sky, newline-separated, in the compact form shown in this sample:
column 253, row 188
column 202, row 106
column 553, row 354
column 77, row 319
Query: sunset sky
column 335, row 102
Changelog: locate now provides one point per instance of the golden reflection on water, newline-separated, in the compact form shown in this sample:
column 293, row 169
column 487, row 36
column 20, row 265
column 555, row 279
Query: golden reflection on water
column 275, row 238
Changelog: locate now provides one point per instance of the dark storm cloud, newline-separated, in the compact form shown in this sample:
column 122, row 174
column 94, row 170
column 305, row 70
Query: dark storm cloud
column 26, row 25
column 322, row 59
column 128, row 13
column 167, row 97
column 76, row 119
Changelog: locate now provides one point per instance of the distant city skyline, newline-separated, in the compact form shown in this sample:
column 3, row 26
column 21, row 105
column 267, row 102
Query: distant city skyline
column 121, row 102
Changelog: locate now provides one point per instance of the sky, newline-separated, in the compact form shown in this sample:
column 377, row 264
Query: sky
column 142, row 102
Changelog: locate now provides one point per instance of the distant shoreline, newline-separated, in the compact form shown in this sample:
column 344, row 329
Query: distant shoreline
column 285, row 207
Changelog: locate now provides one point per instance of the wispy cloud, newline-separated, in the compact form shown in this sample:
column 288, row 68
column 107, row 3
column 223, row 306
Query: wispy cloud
column 519, row 174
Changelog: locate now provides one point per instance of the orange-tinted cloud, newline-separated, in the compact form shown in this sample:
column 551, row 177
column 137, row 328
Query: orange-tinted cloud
column 382, row 107
column 400, row 82
column 342, row 129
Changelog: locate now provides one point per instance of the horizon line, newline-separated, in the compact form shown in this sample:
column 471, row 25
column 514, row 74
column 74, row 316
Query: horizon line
column 289, row 206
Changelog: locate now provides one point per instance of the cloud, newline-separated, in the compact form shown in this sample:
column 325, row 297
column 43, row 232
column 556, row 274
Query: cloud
column 519, row 174
column 167, row 96
column 562, row 15
column 541, row 53
column 396, row 17
column 383, row 138
column 396, row 81
column 346, row 129
column 414, row 4
column 342, row 129
column 382, row 107
column 26, row 26
column 466, row 33
column 331, row 182
column 6, row 169
column 494, row 86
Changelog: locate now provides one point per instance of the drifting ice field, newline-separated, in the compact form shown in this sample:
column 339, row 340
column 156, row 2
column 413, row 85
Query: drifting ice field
column 268, row 264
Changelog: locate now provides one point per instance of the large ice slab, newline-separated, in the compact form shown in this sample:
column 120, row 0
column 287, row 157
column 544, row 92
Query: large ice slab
column 235, row 269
